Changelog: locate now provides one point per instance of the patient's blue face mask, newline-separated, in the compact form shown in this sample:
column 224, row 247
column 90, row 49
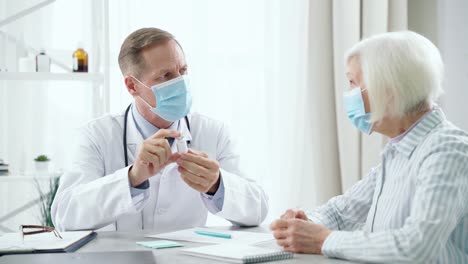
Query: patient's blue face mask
column 354, row 105
column 173, row 98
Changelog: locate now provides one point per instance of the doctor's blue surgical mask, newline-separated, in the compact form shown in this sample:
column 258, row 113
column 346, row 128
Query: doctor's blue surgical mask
column 354, row 106
column 173, row 98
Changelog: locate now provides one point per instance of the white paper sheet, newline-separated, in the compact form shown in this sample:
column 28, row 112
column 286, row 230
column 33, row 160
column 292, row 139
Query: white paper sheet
column 238, row 237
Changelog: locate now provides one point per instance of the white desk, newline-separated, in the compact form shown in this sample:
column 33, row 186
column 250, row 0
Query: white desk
column 123, row 241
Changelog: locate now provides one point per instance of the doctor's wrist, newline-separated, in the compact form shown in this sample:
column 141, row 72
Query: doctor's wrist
column 133, row 178
column 215, row 187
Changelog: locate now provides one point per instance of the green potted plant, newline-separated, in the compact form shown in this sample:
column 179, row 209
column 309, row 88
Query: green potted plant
column 46, row 197
column 42, row 163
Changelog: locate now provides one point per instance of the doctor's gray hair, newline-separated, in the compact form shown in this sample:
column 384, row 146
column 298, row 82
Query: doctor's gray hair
column 402, row 72
column 130, row 59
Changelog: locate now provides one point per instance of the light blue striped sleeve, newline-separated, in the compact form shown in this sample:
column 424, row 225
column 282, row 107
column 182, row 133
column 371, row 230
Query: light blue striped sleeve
column 440, row 201
column 348, row 211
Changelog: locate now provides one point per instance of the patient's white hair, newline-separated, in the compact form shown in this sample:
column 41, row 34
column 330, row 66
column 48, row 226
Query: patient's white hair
column 402, row 72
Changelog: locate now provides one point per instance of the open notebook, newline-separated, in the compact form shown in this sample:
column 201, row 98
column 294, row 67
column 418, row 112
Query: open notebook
column 237, row 253
column 12, row 243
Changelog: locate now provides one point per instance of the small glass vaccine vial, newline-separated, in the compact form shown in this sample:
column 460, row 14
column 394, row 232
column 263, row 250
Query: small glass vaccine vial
column 181, row 145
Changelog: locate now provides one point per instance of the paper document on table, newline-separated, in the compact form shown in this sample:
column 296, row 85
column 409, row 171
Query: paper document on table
column 13, row 242
column 237, row 237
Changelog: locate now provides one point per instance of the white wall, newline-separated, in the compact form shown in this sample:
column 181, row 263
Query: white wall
column 445, row 22
column 453, row 41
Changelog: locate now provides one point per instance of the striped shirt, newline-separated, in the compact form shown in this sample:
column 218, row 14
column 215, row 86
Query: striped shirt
column 412, row 207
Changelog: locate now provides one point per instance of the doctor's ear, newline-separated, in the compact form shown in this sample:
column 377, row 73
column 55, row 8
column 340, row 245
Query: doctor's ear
column 130, row 83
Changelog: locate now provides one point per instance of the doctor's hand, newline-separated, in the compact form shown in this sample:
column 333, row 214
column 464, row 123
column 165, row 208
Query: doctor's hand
column 199, row 172
column 154, row 154
column 294, row 213
column 299, row 236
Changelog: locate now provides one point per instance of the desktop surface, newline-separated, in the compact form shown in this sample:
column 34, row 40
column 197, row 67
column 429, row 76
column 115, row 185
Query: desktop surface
column 125, row 243
column 121, row 257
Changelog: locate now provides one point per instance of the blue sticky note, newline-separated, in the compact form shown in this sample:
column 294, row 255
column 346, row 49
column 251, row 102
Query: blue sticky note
column 159, row 244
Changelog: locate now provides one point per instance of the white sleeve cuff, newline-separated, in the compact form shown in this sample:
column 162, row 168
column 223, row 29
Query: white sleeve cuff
column 214, row 203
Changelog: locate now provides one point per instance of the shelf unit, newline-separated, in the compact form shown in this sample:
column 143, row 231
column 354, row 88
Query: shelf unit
column 19, row 199
column 98, row 77
column 51, row 76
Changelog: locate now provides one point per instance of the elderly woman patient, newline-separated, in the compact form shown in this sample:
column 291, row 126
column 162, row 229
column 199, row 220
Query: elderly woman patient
column 413, row 206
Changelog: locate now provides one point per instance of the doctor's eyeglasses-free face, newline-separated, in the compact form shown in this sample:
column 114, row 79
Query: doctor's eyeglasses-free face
column 37, row 229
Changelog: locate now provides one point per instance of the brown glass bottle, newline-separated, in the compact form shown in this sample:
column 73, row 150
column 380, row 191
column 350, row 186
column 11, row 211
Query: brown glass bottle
column 80, row 60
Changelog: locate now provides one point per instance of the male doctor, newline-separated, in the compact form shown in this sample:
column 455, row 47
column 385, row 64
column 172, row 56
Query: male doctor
column 128, row 174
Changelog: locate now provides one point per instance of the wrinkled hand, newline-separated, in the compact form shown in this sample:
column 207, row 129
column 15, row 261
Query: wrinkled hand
column 154, row 154
column 199, row 172
column 299, row 236
column 294, row 213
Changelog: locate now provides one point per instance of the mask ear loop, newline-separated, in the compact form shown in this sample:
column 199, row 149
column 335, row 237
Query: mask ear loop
column 141, row 98
column 136, row 79
column 355, row 89
column 146, row 103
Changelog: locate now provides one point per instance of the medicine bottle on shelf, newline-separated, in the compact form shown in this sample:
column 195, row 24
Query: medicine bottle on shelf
column 42, row 62
column 80, row 59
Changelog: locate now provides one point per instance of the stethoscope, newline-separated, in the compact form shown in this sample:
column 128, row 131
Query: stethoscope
column 125, row 133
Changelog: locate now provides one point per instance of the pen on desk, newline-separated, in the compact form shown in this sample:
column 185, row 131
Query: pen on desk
column 212, row 234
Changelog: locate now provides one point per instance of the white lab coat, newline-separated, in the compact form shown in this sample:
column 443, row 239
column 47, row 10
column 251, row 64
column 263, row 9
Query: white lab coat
column 96, row 192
